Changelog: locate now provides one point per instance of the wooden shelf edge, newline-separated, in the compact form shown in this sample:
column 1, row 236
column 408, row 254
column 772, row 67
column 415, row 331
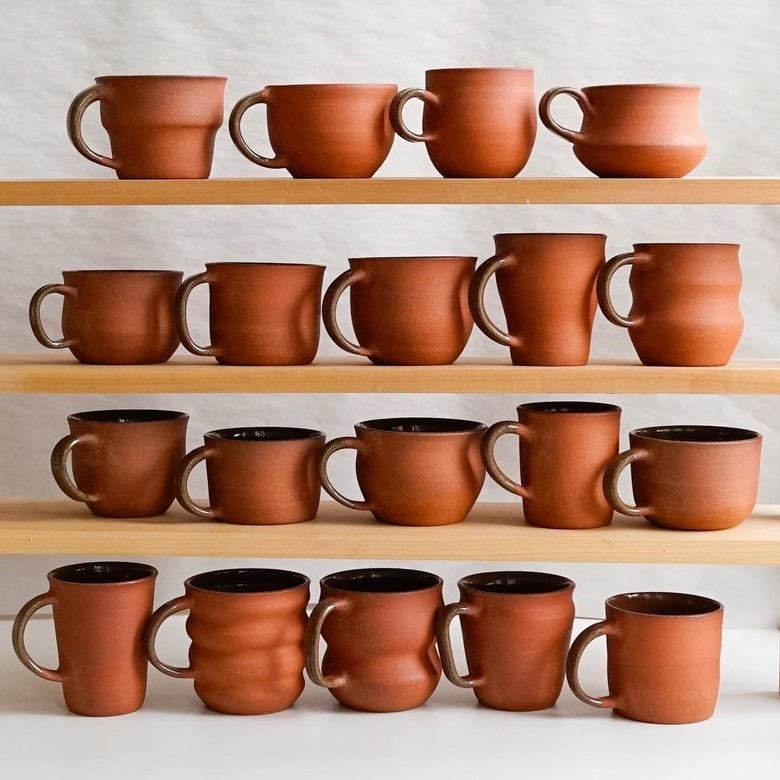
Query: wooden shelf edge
column 493, row 532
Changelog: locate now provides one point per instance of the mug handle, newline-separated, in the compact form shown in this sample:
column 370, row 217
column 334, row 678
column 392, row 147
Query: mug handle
column 488, row 455
column 544, row 112
column 397, row 108
column 477, row 301
column 234, row 125
column 342, row 443
column 329, row 303
column 59, row 466
column 312, row 645
column 444, row 618
column 610, row 483
column 183, row 496
column 603, row 285
column 161, row 614
column 603, row 628
column 182, row 296
column 17, row 636
column 80, row 103
column 36, row 323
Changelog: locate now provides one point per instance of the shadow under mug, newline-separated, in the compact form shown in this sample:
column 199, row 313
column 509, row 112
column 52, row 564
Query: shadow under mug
column 663, row 657
column 689, row 477
column 416, row 471
column 257, row 475
column 246, row 628
column 99, row 609
column 160, row 127
column 113, row 317
column 124, row 460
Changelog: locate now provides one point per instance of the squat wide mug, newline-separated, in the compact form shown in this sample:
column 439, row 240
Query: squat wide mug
column 663, row 657
column 379, row 627
column 247, row 629
column 99, row 614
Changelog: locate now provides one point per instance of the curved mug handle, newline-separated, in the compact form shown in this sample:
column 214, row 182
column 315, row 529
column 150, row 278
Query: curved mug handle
column 161, row 614
column 59, row 466
column 234, row 125
column 183, row 496
column 36, row 323
column 396, row 112
column 572, row 136
column 329, row 304
column 603, row 628
column 610, row 483
column 17, row 636
column 603, row 289
column 477, row 301
column 444, row 618
column 180, row 308
column 489, row 457
column 342, row 443
column 312, row 645
column 80, row 103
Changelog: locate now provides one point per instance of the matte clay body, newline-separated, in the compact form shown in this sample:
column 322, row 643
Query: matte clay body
column 113, row 317
column 99, row 614
column 160, row 127
column 516, row 632
column 685, row 302
column 379, row 628
column 406, row 311
column 634, row 130
column 477, row 122
column 247, row 628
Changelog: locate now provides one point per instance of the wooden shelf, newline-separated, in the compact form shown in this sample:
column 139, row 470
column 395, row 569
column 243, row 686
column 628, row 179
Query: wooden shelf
column 493, row 532
column 278, row 191
column 60, row 373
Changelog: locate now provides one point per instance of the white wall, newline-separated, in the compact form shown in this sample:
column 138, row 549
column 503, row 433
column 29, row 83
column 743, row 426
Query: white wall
column 51, row 50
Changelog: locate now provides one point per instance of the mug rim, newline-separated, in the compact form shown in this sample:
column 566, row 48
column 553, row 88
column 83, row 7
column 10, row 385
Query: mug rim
column 548, row 235
column 478, row 583
column 415, row 257
column 233, row 576
column 260, row 264
column 736, row 435
column 294, row 434
column 668, row 244
column 549, row 407
column 647, row 84
column 331, row 581
column 327, row 86
column 623, row 601
column 384, row 425
column 142, row 416
column 116, row 271
column 144, row 570
column 482, row 68
column 159, row 76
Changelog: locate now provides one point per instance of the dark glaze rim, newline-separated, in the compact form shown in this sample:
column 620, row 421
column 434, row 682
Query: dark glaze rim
column 102, row 573
column 438, row 425
column 135, row 415
column 667, row 604
column 349, row 581
column 516, row 583
column 570, row 407
column 717, row 434
column 247, row 581
column 273, row 433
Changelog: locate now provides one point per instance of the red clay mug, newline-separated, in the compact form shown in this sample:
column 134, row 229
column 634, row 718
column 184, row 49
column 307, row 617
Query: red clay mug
column 379, row 628
column 321, row 131
column 516, row 631
column 406, row 311
column 257, row 475
column 99, row 610
column 113, row 317
column 246, row 628
column 685, row 302
column 160, row 127
column 476, row 122
column 663, row 657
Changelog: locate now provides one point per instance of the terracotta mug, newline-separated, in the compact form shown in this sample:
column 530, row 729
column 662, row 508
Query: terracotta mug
column 379, row 628
column 516, row 631
column 634, row 130
column 406, row 311
column 685, row 302
column 477, row 122
column 256, row 476
column 689, row 477
column 260, row 314
column 160, row 127
column 123, row 460
column 419, row 471
column 113, row 317
column 547, row 286
column 565, row 447
column 663, row 657
column 246, row 628
column 99, row 614
column 322, row 131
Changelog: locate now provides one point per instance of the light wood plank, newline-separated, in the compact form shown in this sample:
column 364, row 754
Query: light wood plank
column 493, row 532
column 112, row 192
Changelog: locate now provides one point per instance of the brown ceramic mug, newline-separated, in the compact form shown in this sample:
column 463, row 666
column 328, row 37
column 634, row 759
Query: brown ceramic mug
column 406, row 311
column 547, row 286
column 113, row 317
column 663, row 657
column 99, row 614
column 565, row 447
column 322, row 131
column 379, row 628
column 160, row 127
column 477, row 122
column 256, row 476
column 418, row 471
column 260, row 314
column 634, row 130
column 685, row 302
column 689, row 477
column 516, row 631
column 246, row 628
column 124, row 460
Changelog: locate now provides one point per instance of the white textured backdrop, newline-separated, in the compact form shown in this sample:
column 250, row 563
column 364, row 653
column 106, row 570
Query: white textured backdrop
column 51, row 50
